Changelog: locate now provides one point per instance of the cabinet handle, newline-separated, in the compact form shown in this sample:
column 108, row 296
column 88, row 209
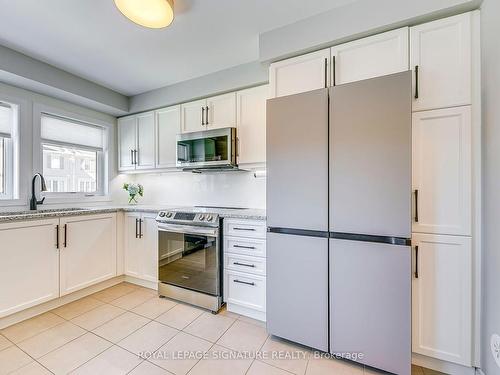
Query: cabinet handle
column 245, row 229
column 136, row 228
column 135, row 157
column 326, row 72
column 334, row 75
column 245, row 247
column 244, row 265
column 203, row 115
column 416, row 81
column 416, row 262
column 416, row 206
column 65, row 243
column 244, row 282
column 140, row 228
column 132, row 157
column 206, row 122
column 57, row 236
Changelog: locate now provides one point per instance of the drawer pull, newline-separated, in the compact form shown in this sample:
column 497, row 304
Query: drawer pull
column 244, row 247
column 244, row 265
column 244, row 282
column 245, row 229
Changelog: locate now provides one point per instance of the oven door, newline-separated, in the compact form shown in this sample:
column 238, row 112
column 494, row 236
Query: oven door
column 189, row 257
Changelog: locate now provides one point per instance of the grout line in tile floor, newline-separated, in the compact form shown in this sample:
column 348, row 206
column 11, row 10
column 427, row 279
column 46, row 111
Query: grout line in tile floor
column 235, row 319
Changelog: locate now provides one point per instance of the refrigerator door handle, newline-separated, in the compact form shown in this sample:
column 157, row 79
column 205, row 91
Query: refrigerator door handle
column 416, row 262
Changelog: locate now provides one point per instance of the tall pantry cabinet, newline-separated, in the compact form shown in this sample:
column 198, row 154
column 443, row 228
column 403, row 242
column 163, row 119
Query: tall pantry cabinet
column 443, row 57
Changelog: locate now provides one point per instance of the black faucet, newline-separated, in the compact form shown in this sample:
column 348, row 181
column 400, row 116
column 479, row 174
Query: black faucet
column 33, row 200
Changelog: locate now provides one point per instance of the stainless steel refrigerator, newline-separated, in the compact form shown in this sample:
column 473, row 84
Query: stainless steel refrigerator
column 338, row 215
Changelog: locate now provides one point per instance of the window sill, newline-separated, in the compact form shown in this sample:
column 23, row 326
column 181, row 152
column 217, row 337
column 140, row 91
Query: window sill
column 75, row 199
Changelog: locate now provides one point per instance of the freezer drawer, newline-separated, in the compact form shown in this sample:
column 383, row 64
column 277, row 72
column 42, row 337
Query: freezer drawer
column 297, row 289
column 370, row 156
column 370, row 303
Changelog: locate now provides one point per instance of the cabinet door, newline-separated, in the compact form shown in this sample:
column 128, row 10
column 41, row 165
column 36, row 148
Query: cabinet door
column 387, row 53
column 149, row 248
column 442, row 171
column 192, row 116
column 251, row 119
column 88, row 252
column 133, row 262
column 442, row 297
column 442, row 52
column 300, row 74
column 221, row 111
column 145, row 141
column 126, row 143
column 168, row 125
column 29, row 270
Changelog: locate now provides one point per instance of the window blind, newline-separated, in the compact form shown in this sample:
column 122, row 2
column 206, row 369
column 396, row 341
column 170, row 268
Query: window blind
column 5, row 120
column 71, row 132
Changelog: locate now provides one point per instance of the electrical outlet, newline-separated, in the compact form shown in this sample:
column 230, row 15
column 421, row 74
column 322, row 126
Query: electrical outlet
column 495, row 348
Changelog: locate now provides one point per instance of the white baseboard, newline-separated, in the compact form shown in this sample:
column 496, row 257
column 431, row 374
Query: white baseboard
column 245, row 311
column 140, row 282
column 442, row 366
column 50, row 305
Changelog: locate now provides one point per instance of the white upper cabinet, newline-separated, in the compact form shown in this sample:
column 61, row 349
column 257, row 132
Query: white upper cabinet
column 136, row 142
column 221, row 111
column 442, row 297
column 300, row 74
column 442, row 52
column 168, row 125
column 126, row 143
column 193, row 117
column 145, row 158
column 370, row 57
column 251, row 129
column 29, row 270
column 88, row 251
column 442, row 171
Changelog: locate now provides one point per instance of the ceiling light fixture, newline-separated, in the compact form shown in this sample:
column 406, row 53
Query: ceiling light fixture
column 154, row 14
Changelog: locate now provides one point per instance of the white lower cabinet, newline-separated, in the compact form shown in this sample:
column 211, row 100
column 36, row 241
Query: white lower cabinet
column 46, row 259
column 29, row 270
column 442, row 297
column 245, row 267
column 141, row 246
column 87, row 251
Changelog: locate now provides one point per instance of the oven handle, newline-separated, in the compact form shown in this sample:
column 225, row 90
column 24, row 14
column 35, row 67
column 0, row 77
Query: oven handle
column 188, row 229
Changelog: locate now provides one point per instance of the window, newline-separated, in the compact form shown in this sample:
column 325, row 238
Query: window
column 8, row 142
column 72, row 155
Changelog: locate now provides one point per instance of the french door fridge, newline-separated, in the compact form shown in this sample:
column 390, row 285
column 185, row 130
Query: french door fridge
column 338, row 208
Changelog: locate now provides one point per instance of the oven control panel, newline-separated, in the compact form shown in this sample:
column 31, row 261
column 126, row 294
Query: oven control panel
column 197, row 218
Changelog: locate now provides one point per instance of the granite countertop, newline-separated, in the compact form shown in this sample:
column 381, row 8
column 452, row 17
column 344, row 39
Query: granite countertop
column 243, row 213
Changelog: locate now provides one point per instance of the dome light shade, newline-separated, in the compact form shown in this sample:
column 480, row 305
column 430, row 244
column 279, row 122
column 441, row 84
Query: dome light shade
column 154, row 14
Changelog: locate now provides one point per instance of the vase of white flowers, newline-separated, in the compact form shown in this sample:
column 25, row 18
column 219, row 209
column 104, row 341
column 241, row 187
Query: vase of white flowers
column 133, row 191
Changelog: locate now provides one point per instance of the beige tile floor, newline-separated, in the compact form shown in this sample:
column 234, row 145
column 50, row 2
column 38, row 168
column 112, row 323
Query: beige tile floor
column 105, row 332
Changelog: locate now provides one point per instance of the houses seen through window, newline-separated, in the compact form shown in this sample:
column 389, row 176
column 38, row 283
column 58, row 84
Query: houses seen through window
column 8, row 155
column 72, row 155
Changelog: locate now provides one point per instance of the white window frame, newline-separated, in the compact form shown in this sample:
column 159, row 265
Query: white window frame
column 103, row 157
column 11, row 160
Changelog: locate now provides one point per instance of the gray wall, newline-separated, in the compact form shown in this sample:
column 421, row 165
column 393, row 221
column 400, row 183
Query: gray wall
column 231, row 79
column 23, row 71
column 490, row 34
column 353, row 21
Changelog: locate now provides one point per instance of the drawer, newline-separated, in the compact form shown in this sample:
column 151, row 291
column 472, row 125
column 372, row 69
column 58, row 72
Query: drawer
column 245, row 264
column 244, row 246
column 245, row 228
column 246, row 290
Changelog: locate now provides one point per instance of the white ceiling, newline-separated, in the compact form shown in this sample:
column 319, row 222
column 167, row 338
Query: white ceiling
column 91, row 39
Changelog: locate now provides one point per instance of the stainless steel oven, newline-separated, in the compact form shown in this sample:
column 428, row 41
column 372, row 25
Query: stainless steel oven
column 189, row 258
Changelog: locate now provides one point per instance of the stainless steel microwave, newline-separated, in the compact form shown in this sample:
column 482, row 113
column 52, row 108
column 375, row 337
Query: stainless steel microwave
column 208, row 149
